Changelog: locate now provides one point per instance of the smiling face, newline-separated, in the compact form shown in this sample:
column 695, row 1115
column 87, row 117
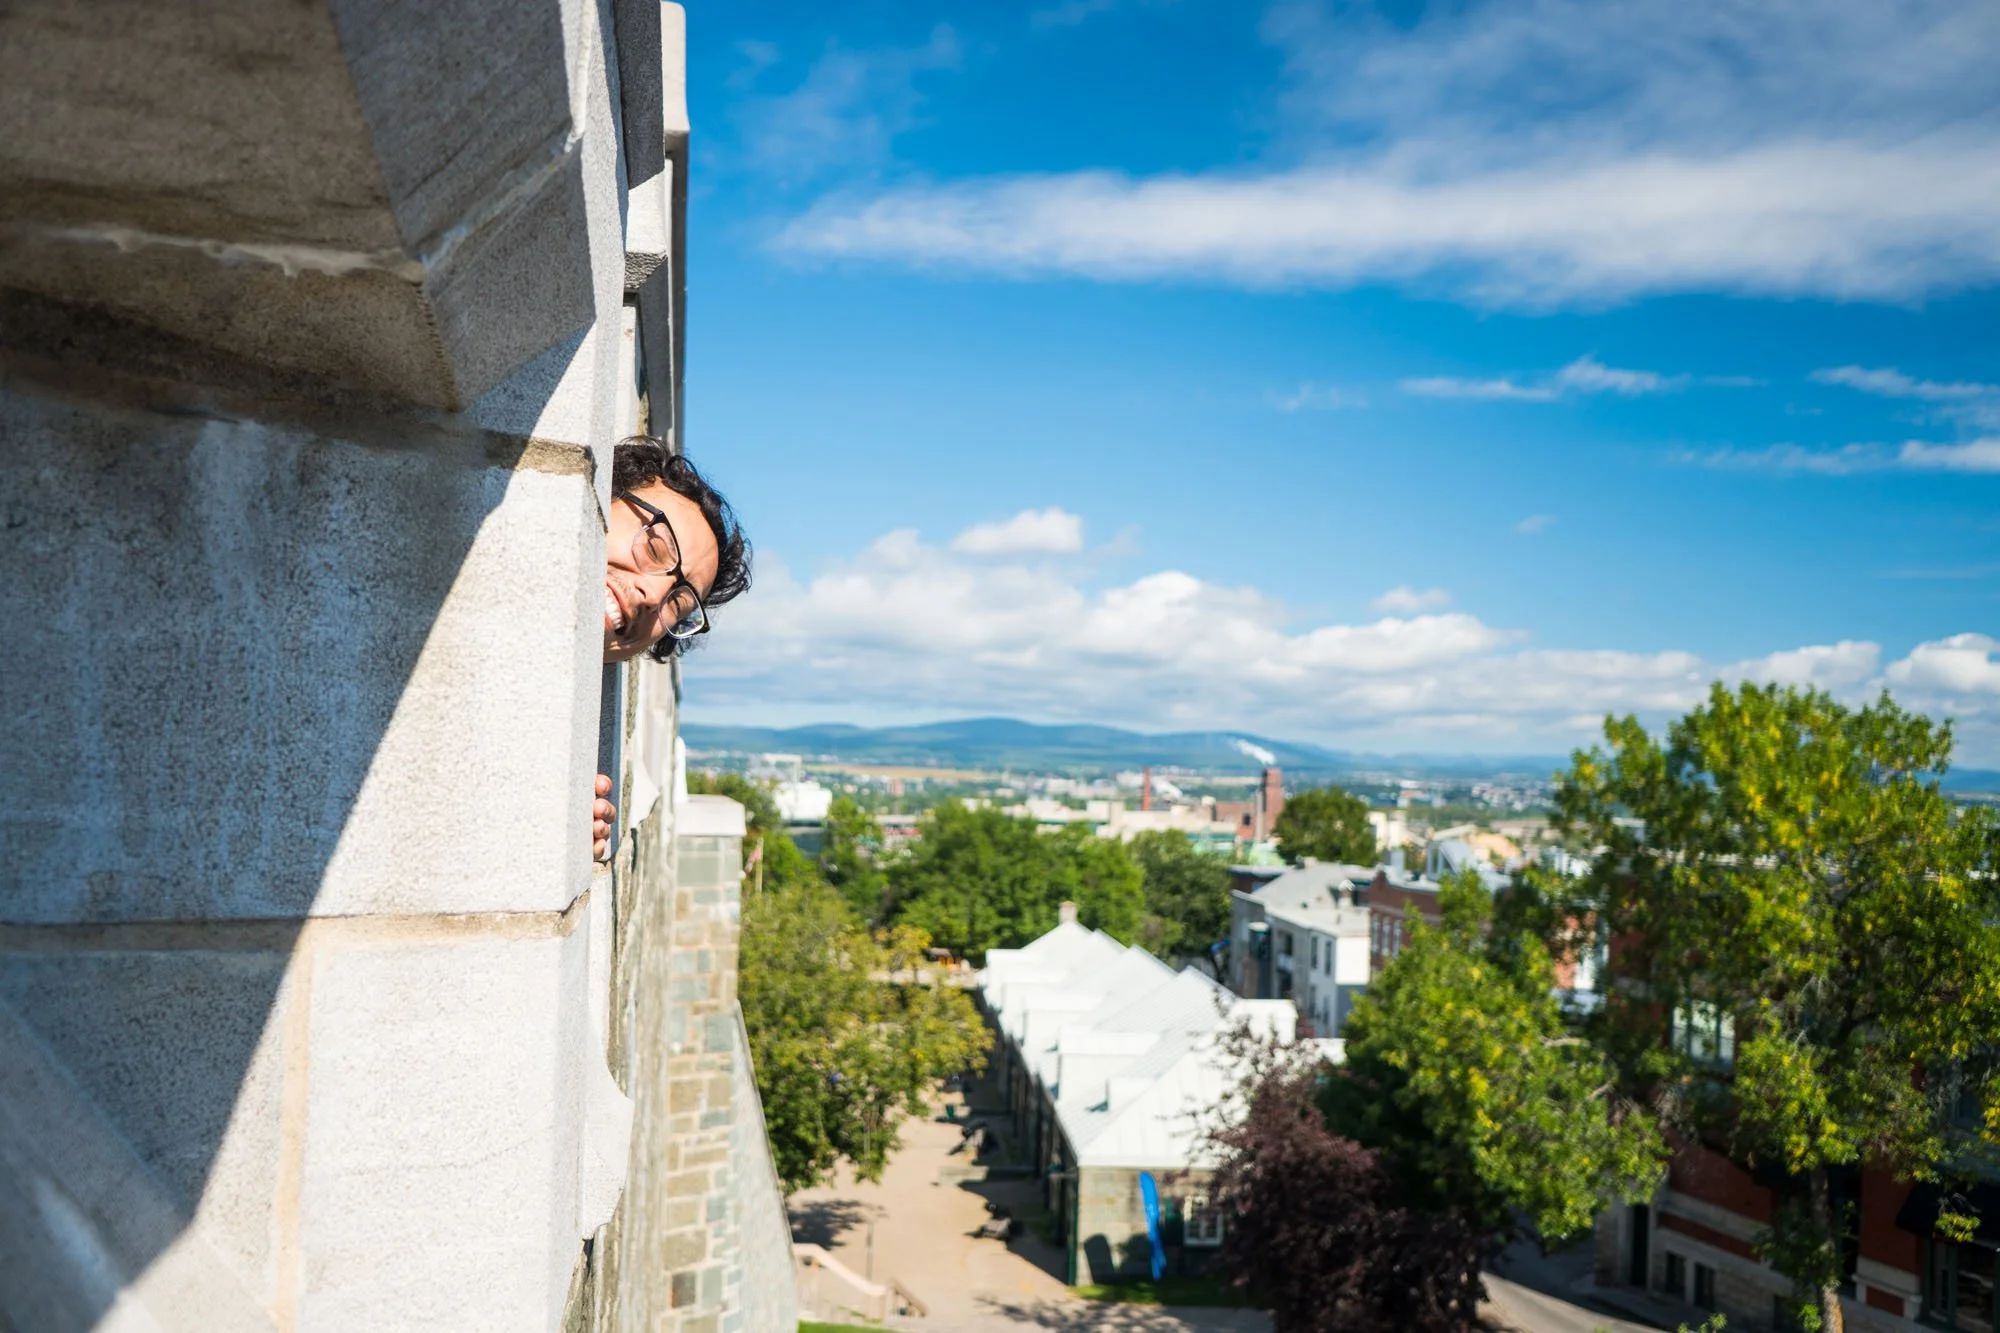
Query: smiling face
column 636, row 609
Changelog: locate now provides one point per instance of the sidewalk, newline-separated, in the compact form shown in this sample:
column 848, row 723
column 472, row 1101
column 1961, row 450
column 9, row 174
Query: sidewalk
column 923, row 1237
column 917, row 1226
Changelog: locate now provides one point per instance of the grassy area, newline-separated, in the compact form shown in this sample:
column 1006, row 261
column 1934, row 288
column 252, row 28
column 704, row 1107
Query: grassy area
column 1167, row 1291
column 808, row 1326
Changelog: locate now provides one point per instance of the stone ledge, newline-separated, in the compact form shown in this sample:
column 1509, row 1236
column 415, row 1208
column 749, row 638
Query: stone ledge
column 709, row 817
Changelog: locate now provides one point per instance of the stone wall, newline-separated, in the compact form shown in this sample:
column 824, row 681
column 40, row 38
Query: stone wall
column 318, row 324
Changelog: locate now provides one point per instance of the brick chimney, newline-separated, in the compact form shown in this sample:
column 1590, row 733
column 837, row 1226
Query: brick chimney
column 1270, row 801
column 1146, row 789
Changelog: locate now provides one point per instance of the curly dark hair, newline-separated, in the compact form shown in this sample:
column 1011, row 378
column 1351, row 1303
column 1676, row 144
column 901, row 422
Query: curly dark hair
column 644, row 459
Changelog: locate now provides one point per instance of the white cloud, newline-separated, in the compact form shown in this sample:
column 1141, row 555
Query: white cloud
column 1588, row 375
column 846, row 111
column 907, row 628
column 1050, row 531
column 1958, row 666
column 1500, row 390
column 1831, row 462
column 1585, row 375
column 1558, row 151
column 1533, row 524
column 1972, row 456
column 1318, row 397
column 1403, row 601
column 1843, row 460
column 1840, row 668
column 1891, row 383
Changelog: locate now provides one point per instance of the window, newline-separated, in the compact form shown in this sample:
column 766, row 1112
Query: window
column 1202, row 1227
column 1705, row 1034
column 1704, row 1286
column 1958, row 1288
column 1675, row 1283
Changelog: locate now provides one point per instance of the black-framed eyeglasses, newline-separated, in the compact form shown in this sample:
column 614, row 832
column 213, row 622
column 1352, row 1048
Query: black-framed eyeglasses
column 656, row 550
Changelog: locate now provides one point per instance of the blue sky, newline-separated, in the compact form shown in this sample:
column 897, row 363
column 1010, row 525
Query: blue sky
column 1426, row 378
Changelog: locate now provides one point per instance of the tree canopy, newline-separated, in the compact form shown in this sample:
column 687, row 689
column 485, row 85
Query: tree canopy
column 1320, row 1228
column 978, row 879
column 1461, row 1072
column 844, row 1039
column 1327, row 824
column 1822, row 925
column 848, row 844
column 843, row 1050
column 1186, row 893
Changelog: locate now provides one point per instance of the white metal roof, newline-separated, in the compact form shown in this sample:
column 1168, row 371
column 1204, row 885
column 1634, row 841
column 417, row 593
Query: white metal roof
column 1127, row 1049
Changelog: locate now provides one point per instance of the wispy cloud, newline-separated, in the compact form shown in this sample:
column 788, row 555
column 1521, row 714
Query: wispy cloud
column 1913, row 455
column 1585, row 375
column 845, row 112
column 1496, row 390
column 1831, row 462
column 1565, row 151
column 1533, row 524
column 924, row 628
column 1318, row 397
column 1050, row 531
column 1068, row 14
column 1972, row 456
column 756, row 57
column 1969, row 403
column 1891, row 383
column 1408, row 601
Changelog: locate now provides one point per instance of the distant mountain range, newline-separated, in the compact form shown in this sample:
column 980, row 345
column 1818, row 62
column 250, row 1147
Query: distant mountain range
column 1007, row 744
column 999, row 743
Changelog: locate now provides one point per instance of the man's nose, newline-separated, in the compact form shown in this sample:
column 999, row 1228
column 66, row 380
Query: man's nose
column 655, row 588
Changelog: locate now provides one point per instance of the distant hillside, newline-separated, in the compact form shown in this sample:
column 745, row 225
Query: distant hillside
column 1001, row 743
column 1004, row 743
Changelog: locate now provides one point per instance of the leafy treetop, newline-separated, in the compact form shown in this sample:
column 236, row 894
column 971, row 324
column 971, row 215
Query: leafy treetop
column 979, row 879
column 1460, row 1070
column 1785, row 875
column 1327, row 824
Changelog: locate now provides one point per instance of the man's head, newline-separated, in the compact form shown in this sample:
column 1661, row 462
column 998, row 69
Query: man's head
column 674, row 552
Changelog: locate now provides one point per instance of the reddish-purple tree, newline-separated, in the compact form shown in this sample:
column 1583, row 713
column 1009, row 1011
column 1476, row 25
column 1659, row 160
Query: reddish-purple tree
column 1315, row 1230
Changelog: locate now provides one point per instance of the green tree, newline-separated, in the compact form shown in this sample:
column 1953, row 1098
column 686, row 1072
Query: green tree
column 1460, row 1071
column 1187, row 896
column 1821, row 924
column 1102, row 880
column 845, row 1036
column 978, row 880
column 847, row 857
column 1327, row 824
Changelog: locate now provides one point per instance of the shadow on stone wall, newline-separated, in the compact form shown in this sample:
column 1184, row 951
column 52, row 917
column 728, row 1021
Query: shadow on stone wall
column 211, row 623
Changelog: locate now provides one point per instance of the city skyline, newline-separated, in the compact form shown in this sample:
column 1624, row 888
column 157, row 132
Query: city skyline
column 1386, row 378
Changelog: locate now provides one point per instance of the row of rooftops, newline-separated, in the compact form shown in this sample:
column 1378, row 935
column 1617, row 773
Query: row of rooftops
column 1125, row 1049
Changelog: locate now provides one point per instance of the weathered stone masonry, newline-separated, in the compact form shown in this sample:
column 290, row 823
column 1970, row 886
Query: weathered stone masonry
column 318, row 323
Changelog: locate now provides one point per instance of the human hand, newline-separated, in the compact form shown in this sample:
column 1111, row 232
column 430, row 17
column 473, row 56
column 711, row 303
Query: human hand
column 602, row 813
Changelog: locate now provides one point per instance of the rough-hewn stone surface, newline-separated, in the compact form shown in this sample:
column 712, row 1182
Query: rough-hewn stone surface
column 314, row 1013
